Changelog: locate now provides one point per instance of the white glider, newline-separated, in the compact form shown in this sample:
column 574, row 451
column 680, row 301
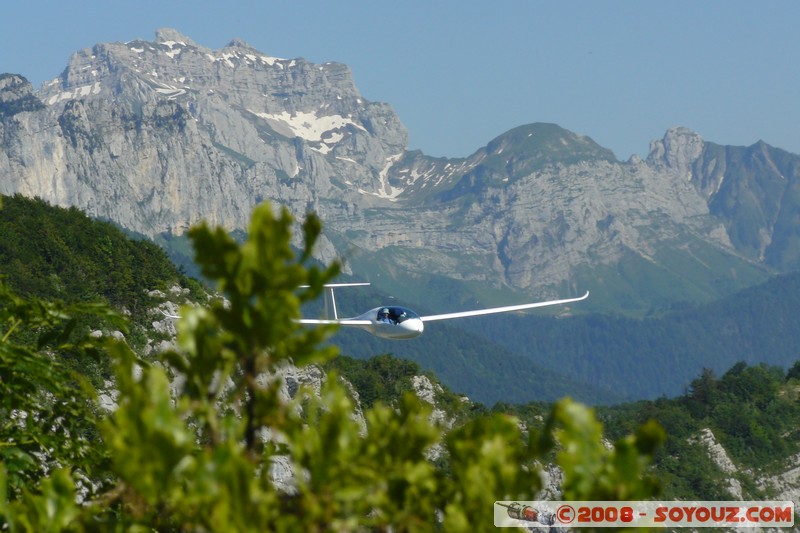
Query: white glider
column 395, row 322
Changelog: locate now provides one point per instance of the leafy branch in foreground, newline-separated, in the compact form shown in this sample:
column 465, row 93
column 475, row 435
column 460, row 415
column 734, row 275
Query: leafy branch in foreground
column 191, row 444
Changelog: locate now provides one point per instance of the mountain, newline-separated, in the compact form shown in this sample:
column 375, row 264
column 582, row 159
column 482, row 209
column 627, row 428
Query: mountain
column 157, row 135
column 160, row 135
column 732, row 437
column 755, row 191
column 61, row 254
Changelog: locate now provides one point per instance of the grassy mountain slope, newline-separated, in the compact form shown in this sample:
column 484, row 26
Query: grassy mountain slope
column 521, row 151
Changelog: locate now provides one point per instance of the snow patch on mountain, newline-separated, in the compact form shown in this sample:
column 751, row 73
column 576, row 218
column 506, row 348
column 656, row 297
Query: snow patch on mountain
column 308, row 126
column 77, row 92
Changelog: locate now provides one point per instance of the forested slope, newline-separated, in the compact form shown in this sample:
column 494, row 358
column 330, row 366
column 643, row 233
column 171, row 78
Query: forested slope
column 52, row 252
column 752, row 412
column 660, row 355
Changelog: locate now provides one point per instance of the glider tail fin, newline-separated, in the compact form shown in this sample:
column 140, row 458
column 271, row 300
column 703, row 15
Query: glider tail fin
column 330, row 312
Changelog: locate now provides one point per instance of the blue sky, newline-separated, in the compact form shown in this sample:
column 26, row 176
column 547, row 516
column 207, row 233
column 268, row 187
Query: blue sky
column 459, row 74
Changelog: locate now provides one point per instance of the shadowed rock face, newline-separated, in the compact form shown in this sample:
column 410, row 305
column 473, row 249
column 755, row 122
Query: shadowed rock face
column 158, row 135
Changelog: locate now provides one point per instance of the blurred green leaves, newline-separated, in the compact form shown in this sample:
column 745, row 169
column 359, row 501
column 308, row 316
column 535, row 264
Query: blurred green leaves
column 596, row 470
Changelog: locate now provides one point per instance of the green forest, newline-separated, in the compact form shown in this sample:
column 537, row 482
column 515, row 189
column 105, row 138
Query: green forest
column 56, row 253
column 753, row 411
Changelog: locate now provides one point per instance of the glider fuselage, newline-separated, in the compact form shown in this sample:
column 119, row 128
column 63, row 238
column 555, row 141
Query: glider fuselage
column 399, row 323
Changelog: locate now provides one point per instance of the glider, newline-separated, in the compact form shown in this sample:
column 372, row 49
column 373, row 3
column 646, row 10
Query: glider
column 395, row 322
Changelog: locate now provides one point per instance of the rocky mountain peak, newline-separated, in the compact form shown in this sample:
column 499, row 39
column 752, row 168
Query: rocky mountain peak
column 167, row 35
column 240, row 43
column 16, row 95
column 13, row 86
column 522, row 151
column 678, row 149
column 163, row 121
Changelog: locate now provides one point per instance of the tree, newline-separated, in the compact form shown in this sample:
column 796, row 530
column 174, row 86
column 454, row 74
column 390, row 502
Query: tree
column 199, row 459
column 794, row 371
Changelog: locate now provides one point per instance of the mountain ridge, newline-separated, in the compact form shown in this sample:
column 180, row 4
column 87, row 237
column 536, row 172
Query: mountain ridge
column 158, row 135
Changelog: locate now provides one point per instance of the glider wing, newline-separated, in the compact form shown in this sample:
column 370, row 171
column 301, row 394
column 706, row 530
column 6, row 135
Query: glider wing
column 506, row 309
